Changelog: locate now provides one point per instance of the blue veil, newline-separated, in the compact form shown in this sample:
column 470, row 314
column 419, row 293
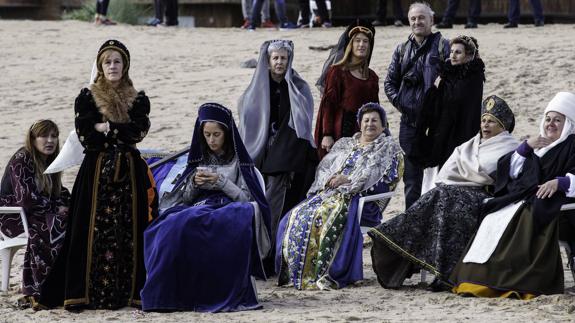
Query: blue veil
column 218, row 113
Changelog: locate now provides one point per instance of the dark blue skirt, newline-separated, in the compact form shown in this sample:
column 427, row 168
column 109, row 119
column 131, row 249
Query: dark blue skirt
column 201, row 258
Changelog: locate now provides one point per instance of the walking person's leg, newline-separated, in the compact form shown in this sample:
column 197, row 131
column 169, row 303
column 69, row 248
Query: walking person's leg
column 537, row 12
column 381, row 13
column 397, row 13
column 280, row 8
column 513, row 14
column 266, row 17
column 323, row 13
column 171, row 12
column 102, row 12
column 255, row 15
column 473, row 13
column 449, row 14
column 305, row 12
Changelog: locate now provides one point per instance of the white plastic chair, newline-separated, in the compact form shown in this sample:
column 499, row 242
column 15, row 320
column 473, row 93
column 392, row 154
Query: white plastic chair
column 566, row 207
column 261, row 180
column 371, row 198
column 9, row 246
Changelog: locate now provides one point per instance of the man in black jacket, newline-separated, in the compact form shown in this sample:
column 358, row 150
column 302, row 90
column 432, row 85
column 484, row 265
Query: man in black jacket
column 413, row 69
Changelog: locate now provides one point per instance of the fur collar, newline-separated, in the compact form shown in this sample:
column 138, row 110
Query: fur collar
column 114, row 103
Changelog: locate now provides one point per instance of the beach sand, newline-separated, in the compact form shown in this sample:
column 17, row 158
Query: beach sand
column 46, row 63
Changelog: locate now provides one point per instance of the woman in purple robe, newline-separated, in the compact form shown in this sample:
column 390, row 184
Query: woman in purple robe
column 204, row 250
column 45, row 202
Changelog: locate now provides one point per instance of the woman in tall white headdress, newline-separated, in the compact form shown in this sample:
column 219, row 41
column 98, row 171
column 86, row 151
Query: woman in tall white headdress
column 515, row 251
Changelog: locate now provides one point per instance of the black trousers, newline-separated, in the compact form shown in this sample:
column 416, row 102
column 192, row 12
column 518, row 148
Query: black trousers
column 382, row 10
column 169, row 8
column 102, row 7
column 472, row 14
column 514, row 11
column 306, row 11
column 412, row 179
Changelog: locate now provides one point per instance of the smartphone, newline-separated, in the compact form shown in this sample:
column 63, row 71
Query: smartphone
column 204, row 170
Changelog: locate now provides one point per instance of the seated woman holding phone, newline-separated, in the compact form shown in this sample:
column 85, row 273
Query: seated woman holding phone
column 203, row 250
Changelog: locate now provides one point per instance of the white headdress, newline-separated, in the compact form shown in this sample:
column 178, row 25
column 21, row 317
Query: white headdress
column 564, row 103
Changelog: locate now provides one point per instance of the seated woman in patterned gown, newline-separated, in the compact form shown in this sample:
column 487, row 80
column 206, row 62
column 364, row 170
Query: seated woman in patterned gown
column 45, row 202
column 202, row 252
column 434, row 231
column 319, row 240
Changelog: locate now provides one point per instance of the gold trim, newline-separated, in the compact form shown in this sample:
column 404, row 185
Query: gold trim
column 137, row 302
column 494, row 117
column 74, row 301
column 91, row 229
column 360, row 29
column 117, row 167
column 406, row 254
column 130, row 159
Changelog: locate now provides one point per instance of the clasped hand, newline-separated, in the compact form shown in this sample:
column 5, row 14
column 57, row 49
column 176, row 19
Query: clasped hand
column 337, row 180
column 327, row 143
column 202, row 178
column 547, row 189
column 102, row 127
column 538, row 142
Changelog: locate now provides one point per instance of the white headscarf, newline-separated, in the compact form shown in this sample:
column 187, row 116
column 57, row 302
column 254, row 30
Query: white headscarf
column 564, row 103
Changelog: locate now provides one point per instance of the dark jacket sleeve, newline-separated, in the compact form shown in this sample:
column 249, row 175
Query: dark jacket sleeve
column 134, row 131
column 86, row 116
column 392, row 81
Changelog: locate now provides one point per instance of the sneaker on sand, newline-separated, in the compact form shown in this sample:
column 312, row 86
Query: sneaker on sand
column 288, row 25
column 104, row 22
column 153, row 22
column 268, row 24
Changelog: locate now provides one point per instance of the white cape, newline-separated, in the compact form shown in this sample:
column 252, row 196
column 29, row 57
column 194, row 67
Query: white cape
column 72, row 154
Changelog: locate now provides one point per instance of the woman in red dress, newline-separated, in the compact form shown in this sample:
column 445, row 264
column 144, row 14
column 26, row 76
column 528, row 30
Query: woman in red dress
column 349, row 83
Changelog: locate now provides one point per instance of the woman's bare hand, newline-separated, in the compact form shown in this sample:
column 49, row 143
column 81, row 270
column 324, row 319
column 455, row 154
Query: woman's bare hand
column 102, row 127
column 547, row 189
column 337, row 180
column 202, row 178
column 327, row 143
column 538, row 142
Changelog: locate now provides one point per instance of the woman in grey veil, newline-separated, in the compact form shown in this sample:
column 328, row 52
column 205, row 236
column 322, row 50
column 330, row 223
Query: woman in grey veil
column 276, row 113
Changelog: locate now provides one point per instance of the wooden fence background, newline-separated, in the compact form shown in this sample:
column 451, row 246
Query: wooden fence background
column 226, row 13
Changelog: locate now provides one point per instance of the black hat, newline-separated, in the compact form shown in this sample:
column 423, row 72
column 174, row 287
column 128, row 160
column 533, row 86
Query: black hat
column 497, row 108
column 117, row 46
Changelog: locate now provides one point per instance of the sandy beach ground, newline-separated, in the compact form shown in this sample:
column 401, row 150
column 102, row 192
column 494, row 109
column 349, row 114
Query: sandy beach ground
column 43, row 66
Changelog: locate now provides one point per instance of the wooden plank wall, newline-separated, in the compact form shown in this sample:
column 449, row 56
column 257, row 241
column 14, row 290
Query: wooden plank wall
column 228, row 12
column 492, row 10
